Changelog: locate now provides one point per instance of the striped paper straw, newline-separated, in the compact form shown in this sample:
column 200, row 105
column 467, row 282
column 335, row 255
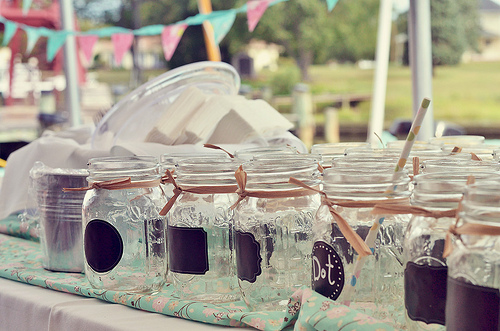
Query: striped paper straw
column 372, row 234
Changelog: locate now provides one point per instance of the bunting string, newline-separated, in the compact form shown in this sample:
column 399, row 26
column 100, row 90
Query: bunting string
column 171, row 34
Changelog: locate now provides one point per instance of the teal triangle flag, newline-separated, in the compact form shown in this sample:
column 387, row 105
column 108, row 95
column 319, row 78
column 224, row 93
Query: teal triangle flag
column 222, row 24
column 26, row 6
column 9, row 32
column 54, row 42
column 331, row 4
column 33, row 35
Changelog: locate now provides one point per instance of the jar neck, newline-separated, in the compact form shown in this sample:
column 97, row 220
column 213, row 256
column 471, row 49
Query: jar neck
column 371, row 183
column 443, row 190
column 206, row 171
column 138, row 168
column 274, row 174
column 481, row 203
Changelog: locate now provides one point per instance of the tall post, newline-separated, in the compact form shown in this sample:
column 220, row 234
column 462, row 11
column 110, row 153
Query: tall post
column 376, row 124
column 420, row 51
column 70, row 64
column 213, row 51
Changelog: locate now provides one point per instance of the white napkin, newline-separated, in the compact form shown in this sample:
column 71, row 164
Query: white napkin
column 55, row 150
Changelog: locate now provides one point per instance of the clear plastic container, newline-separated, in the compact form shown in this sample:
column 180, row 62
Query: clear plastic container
column 123, row 232
column 136, row 114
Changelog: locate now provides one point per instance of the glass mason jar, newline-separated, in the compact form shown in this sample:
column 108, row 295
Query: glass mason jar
column 373, row 284
column 460, row 140
column 273, row 230
column 425, row 267
column 458, row 164
column 473, row 288
column 199, row 234
column 124, row 235
column 248, row 154
column 330, row 151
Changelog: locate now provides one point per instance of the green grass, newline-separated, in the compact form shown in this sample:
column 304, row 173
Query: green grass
column 465, row 94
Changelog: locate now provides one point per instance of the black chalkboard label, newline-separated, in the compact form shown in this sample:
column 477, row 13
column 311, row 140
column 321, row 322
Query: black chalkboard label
column 187, row 250
column 248, row 258
column 425, row 292
column 327, row 271
column 471, row 307
column 103, row 245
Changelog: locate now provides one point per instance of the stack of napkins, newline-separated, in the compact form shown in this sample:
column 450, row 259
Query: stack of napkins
column 195, row 117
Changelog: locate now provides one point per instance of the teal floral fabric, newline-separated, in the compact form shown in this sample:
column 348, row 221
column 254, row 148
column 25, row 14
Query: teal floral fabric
column 21, row 260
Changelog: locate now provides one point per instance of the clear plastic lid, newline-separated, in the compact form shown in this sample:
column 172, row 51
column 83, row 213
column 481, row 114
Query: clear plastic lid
column 137, row 113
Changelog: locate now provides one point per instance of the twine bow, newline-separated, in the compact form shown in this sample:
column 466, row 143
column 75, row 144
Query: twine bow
column 351, row 236
column 195, row 190
column 115, row 184
column 165, row 178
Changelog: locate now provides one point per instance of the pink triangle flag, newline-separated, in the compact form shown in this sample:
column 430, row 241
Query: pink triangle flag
column 255, row 10
column 86, row 43
column 121, row 44
column 170, row 37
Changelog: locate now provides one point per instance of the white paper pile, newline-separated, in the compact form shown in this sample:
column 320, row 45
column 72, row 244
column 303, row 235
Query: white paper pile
column 197, row 118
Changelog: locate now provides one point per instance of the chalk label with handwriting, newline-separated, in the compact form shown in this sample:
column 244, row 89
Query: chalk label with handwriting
column 327, row 270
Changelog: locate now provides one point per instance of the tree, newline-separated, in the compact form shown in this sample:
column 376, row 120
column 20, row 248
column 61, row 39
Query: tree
column 354, row 30
column 455, row 27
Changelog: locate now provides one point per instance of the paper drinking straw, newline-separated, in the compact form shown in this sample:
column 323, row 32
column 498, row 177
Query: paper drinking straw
column 372, row 234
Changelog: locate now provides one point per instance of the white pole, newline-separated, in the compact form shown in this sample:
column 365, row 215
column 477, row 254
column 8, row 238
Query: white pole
column 70, row 64
column 420, row 49
column 376, row 124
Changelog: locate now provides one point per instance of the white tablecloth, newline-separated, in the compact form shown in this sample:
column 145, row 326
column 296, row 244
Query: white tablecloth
column 25, row 307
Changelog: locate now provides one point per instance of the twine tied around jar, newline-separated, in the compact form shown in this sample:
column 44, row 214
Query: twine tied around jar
column 223, row 189
column 212, row 146
column 241, row 179
column 394, row 209
column 116, row 184
column 351, row 236
column 467, row 228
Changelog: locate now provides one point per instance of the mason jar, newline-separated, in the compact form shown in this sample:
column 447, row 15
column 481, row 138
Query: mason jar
column 458, row 164
column 199, row 234
column 123, row 233
column 373, row 283
column 330, row 151
column 473, row 288
column 273, row 229
column 437, row 195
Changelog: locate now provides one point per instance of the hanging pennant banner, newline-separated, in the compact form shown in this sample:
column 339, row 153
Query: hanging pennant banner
column 255, row 10
column 170, row 37
column 54, row 43
column 33, row 36
column 121, row 43
column 222, row 24
column 86, row 43
column 10, row 29
column 26, row 6
column 331, row 4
